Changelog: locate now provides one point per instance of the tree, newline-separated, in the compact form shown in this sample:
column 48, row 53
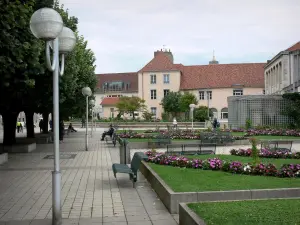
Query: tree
column 20, row 53
column 292, row 110
column 148, row 115
column 185, row 100
column 79, row 72
column 130, row 105
column 200, row 113
column 171, row 103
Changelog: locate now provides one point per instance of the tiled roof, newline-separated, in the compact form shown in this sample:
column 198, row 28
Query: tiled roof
column 110, row 101
column 131, row 77
column 222, row 75
column 160, row 62
column 294, row 47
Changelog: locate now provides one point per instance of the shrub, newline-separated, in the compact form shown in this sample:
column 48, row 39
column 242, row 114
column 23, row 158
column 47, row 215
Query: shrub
column 255, row 151
column 248, row 124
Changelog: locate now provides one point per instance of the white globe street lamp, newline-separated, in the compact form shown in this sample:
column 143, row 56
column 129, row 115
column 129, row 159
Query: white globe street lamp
column 192, row 107
column 87, row 92
column 92, row 103
column 47, row 24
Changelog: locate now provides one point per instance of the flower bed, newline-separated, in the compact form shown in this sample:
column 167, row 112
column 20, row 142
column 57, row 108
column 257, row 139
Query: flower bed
column 273, row 132
column 235, row 167
column 179, row 134
column 266, row 153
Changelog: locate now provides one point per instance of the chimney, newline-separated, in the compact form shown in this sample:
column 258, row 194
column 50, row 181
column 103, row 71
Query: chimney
column 167, row 53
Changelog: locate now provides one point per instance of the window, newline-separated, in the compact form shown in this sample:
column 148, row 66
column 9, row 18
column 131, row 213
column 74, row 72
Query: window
column 201, row 95
column 215, row 112
column 152, row 79
column 166, row 78
column 237, row 92
column 153, row 111
column 166, row 92
column 209, row 93
column 153, row 94
column 224, row 113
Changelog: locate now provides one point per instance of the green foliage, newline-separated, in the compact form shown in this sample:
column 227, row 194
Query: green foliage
column 248, row 124
column 171, row 103
column 130, row 105
column 20, row 53
column 147, row 115
column 255, row 151
column 185, row 100
column 200, row 114
column 293, row 108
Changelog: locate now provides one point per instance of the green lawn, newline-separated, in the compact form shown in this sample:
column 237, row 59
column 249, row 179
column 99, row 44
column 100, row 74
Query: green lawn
column 263, row 212
column 146, row 140
column 190, row 180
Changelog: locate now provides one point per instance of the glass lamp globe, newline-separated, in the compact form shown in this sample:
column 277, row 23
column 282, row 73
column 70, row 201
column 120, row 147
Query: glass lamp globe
column 46, row 24
column 192, row 106
column 86, row 91
column 67, row 40
column 92, row 102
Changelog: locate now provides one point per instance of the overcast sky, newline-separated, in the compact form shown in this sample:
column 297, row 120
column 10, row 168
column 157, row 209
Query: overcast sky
column 124, row 33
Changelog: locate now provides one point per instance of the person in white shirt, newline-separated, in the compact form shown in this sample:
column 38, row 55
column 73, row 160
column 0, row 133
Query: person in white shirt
column 175, row 123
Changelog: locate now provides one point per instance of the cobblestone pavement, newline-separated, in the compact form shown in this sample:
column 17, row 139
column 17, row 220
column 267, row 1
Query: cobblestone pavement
column 90, row 193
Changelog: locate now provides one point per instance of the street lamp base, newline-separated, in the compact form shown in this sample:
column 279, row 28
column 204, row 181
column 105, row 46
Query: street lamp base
column 56, row 206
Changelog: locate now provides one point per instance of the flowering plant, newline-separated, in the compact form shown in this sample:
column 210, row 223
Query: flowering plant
column 266, row 153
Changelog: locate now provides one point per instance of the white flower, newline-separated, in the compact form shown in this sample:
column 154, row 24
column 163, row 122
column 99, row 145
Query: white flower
column 247, row 168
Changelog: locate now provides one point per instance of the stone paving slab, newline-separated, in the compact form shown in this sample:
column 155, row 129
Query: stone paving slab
column 90, row 193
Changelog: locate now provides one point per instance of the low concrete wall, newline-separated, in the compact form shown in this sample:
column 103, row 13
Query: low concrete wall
column 172, row 199
column 3, row 158
column 188, row 216
column 147, row 125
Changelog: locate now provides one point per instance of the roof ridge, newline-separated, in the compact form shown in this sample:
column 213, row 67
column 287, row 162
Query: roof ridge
column 292, row 46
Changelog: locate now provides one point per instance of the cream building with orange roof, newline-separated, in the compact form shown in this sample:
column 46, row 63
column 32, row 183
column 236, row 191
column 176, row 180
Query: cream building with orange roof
column 211, row 84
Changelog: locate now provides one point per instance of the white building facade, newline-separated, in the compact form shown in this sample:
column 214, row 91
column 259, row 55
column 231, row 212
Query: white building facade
column 282, row 73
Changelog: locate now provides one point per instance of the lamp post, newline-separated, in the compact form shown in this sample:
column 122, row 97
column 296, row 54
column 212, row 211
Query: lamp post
column 192, row 107
column 92, row 103
column 47, row 24
column 87, row 92
column 208, row 97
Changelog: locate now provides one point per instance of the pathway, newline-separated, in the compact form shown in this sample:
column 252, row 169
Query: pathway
column 90, row 193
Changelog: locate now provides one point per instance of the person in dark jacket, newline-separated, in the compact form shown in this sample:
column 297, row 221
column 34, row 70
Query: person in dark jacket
column 109, row 132
column 61, row 130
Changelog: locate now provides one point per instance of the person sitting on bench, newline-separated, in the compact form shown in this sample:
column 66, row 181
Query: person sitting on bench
column 71, row 128
column 109, row 132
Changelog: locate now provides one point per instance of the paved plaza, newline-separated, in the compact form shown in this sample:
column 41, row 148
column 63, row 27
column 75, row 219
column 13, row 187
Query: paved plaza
column 90, row 193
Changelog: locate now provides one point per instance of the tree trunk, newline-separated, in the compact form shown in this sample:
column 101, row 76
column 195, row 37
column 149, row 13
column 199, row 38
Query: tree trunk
column 46, row 121
column 133, row 115
column 9, row 127
column 29, row 124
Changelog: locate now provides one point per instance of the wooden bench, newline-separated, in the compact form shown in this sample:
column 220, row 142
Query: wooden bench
column 193, row 148
column 277, row 145
column 133, row 169
column 160, row 140
column 113, row 137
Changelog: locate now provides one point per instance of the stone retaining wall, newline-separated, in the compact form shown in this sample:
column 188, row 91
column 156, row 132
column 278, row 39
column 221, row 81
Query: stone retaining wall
column 172, row 199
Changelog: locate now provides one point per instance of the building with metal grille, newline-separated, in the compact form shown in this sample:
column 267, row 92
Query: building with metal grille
column 264, row 110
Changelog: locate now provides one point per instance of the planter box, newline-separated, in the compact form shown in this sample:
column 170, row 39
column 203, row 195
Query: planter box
column 172, row 199
column 20, row 148
column 43, row 138
column 188, row 216
column 3, row 158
